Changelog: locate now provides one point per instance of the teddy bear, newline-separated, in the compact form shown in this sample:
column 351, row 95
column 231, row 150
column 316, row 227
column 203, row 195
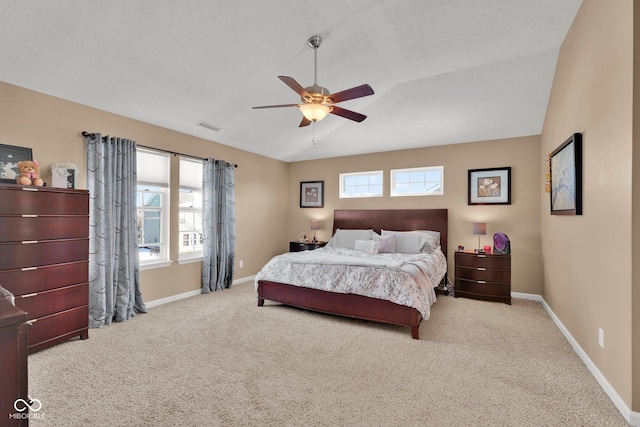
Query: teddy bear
column 29, row 173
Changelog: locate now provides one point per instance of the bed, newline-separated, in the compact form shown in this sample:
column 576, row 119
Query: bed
column 354, row 305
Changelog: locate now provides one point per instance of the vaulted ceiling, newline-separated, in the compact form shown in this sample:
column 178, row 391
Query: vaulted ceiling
column 443, row 71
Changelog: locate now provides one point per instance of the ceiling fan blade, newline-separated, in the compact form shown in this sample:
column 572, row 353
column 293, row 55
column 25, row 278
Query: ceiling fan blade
column 275, row 106
column 348, row 114
column 304, row 122
column 353, row 93
column 293, row 84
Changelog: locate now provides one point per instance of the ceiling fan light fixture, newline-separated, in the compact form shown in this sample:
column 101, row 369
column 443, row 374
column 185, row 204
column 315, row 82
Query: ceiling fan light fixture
column 315, row 112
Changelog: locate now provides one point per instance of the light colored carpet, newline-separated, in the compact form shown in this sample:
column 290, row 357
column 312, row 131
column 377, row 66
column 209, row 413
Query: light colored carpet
column 219, row 360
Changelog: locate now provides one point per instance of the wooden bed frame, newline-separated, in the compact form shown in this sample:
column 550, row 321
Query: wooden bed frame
column 359, row 306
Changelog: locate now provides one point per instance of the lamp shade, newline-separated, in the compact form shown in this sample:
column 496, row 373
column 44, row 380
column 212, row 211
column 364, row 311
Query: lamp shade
column 315, row 224
column 315, row 112
column 480, row 228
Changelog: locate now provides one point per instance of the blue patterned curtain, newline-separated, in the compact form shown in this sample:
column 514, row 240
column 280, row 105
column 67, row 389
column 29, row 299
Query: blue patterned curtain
column 114, row 276
column 219, row 225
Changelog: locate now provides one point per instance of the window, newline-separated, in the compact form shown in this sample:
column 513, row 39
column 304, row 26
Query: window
column 361, row 184
column 190, row 208
column 152, row 203
column 417, row 181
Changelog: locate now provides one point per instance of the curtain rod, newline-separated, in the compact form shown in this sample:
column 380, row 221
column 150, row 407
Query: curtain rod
column 85, row 133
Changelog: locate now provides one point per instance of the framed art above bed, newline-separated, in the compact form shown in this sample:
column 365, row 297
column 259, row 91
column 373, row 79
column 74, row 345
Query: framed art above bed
column 312, row 194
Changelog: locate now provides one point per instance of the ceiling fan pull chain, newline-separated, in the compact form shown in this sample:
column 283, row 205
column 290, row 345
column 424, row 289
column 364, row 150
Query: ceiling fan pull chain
column 313, row 133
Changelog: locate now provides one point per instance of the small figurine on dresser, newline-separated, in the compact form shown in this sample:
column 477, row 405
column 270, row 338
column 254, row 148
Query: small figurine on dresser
column 29, row 173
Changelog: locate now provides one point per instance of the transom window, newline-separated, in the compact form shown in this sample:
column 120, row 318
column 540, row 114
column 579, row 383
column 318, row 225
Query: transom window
column 422, row 181
column 361, row 184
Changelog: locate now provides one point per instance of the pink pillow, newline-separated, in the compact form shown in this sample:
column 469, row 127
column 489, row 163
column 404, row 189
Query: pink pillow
column 387, row 243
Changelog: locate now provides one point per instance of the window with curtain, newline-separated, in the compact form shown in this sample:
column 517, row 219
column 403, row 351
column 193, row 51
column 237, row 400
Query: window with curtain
column 190, row 210
column 152, row 203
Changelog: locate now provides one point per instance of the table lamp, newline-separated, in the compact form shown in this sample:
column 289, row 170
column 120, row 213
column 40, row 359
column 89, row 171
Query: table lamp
column 479, row 229
column 315, row 225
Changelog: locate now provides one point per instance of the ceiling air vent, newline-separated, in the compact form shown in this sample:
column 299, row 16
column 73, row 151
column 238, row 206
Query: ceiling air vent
column 208, row 126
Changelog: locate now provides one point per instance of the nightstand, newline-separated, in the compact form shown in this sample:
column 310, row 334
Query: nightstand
column 305, row 246
column 483, row 276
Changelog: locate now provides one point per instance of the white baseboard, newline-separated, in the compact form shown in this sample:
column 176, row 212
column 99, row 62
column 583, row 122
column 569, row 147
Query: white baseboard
column 193, row 293
column 633, row 418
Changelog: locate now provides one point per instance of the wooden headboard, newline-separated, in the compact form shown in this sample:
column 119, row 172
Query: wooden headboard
column 394, row 219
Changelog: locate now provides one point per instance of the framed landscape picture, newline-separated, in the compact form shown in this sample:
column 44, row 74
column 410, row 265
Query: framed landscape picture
column 489, row 186
column 312, row 194
column 566, row 177
column 9, row 158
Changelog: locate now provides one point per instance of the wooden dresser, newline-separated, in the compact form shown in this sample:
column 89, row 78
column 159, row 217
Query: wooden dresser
column 44, row 252
column 13, row 358
column 483, row 276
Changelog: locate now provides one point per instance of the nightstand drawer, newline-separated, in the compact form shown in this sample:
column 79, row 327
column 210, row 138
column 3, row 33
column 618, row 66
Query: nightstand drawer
column 490, row 290
column 482, row 274
column 500, row 262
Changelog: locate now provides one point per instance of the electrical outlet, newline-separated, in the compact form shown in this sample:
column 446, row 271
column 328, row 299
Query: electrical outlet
column 241, row 262
column 601, row 337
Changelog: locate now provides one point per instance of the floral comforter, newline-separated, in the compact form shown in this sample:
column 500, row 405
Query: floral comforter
column 400, row 278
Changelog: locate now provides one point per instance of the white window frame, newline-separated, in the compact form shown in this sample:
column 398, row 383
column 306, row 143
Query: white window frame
column 394, row 184
column 190, row 184
column 159, row 184
column 369, row 174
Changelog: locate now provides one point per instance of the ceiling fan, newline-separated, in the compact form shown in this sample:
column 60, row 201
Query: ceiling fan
column 317, row 101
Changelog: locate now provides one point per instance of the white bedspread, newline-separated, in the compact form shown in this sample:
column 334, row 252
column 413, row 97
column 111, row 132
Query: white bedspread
column 400, row 278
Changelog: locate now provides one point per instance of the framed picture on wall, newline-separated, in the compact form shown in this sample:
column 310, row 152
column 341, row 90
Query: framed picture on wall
column 566, row 177
column 312, row 194
column 9, row 157
column 489, row 186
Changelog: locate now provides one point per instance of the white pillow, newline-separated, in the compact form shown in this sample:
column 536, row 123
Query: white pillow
column 369, row 246
column 415, row 242
column 347, row 238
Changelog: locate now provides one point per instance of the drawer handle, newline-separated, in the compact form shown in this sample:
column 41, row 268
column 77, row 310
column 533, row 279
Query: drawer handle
column 29, row 268
column 29, row 189
column 482, row 256
column 29, row 216
column 32, row 321
column 482, row 269
column 29, row 242
column 481, row 281
column 29, row 295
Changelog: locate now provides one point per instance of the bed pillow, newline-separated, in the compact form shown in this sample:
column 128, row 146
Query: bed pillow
column 387, row 243
column 430, row 240
column 347, row 238
column 407, row 242
column 368, row 246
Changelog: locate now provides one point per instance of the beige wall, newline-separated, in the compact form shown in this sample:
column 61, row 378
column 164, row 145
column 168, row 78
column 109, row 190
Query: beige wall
column 520, row 220
column 587, row 258
column 52, row 126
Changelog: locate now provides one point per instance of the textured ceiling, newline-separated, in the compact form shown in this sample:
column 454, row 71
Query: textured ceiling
column 443, row 71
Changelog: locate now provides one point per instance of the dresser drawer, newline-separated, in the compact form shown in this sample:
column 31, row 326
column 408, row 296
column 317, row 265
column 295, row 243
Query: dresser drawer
column 482, row 274
column 42, row 304
column 16, row 255
column 49, row 328
column 39, row 227
column 499, row 262
column 43, row 201
column 35, row 279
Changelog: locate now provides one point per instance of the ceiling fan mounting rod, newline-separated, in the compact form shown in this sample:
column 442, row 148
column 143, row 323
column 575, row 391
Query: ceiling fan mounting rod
column 314, row 42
